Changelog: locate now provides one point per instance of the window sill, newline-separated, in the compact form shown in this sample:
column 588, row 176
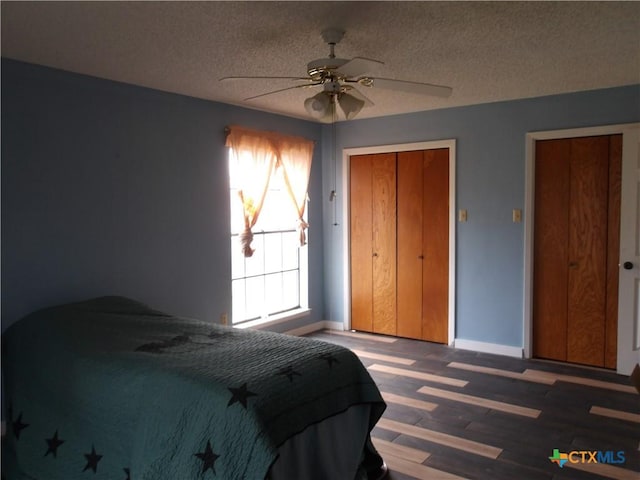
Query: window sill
column 275, row 319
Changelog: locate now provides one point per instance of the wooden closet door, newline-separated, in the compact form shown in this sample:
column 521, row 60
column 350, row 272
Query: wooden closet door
column 576, row 249
column 373, row 243
column 587, row 250
column 423, row 245
column 399, row 252
column 551, row 249
column 435, row 238
column 384, row 243
column 361, row 228
column 410, row 244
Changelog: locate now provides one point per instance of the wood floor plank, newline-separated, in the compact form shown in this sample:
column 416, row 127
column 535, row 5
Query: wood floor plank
column 441, row 438
column 575, row 415
column 410, row 454
column 418, row 471
column 530, row 373
column 501, row 373
column 418, row 375
column 481, row 402
column 364, row 336
column 382, row 357
column 619, row 414
column 409, row 402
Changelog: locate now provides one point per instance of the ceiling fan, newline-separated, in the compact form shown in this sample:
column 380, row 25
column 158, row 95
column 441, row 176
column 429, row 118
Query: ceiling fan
column 338, row 78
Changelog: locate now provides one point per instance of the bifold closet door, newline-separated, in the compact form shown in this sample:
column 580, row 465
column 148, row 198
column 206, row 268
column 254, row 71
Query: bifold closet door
column 410, row 243
column 576, row 249
column 373, row 242
column 423, row 244
column 384, row 244
column 435, row 238
column 551, row 249
column 361, row 249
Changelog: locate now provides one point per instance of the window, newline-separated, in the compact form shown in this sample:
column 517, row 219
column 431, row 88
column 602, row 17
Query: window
column 273, row 280
column 268, row 218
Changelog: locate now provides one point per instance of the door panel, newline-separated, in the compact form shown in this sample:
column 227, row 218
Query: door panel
column 435, row 235
column 410, row 250
column 551, row 238
column 384, row 243
column 588, row 207
column 361, row 242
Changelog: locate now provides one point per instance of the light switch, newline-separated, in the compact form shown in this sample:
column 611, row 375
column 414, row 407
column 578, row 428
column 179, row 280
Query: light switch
column 517, row 215
column 462, row 215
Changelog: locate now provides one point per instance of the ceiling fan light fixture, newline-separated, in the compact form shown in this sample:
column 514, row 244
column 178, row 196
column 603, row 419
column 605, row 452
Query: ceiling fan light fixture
column 350, row 105
column 318, row 105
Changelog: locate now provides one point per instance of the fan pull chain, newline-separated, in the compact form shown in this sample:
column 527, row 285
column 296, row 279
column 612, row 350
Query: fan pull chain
column 335, row 166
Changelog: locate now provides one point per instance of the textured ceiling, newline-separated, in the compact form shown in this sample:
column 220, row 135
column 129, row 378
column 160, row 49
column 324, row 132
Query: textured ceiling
column 485, row 51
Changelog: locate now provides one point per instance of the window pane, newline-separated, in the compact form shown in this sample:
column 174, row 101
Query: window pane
column 273, row 291
column 273, row 259
column 290, row 290
column 255, row 264
column 290, row 258
column 237, row 258
column 254, row 305
column 238, row 300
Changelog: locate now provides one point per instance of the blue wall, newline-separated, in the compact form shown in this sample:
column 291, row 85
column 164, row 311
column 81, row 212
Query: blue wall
column 114, row 189
column 109, row 188
column 490, row 184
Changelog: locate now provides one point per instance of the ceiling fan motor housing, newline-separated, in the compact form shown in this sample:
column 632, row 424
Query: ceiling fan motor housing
column 323, row 67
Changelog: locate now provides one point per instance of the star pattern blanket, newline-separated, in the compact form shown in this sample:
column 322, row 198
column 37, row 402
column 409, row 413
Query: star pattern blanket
column 110, row 389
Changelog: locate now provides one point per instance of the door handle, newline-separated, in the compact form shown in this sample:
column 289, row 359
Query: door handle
column 627, row 265
column 421, row 257
column 375, row 254
column 573, row 264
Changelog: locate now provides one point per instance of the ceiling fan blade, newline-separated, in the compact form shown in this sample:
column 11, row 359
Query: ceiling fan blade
column 407, row 86
column 358, row 66
column 283, row 90
column 359, row 95
column 227, row 79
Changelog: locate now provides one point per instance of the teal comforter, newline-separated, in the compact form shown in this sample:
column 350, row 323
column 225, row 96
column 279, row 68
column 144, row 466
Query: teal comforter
column 110, row 389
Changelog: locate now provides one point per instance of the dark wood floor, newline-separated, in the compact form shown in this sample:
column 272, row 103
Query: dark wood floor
column 460, row 414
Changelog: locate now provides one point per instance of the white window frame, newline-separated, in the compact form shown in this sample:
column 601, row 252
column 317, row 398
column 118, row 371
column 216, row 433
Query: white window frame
column 303, row 279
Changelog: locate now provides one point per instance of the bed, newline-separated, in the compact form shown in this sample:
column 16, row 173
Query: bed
column 112, row 389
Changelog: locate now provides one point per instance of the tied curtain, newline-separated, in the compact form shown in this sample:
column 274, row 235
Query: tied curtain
column 254, row 155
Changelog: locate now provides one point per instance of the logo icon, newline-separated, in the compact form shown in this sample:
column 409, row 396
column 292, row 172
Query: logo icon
column 559, row 458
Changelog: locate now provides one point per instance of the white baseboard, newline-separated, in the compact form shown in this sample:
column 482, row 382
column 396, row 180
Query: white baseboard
column 314, row 327
column 485, row 347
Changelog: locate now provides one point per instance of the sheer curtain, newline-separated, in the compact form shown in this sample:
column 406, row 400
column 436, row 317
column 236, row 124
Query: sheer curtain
column 254, row 155
column 251, row 166
column 295, row 161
